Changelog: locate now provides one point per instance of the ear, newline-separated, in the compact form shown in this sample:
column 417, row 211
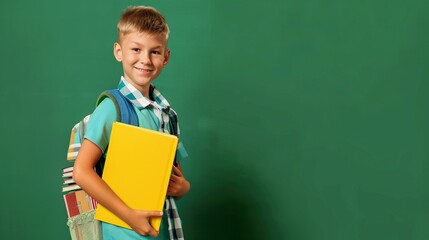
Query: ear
column 166, row 57
column 117, row 51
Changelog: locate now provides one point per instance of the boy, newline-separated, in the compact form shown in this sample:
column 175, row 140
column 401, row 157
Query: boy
column 142, row 49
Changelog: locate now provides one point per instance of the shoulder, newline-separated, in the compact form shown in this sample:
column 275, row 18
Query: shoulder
column 106, row 103
column 105, row 111
column 105, row 106
column 100, row 124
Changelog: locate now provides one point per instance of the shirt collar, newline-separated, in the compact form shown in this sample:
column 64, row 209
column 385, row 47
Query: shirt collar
column 140, row 101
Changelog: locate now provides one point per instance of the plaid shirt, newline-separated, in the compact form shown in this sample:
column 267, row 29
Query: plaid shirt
column 163, row 112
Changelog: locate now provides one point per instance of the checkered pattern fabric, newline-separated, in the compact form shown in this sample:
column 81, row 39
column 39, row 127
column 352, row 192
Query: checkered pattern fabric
column 164, row 114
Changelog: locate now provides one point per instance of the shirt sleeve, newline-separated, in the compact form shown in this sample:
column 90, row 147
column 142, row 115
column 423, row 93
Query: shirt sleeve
column 100, row 124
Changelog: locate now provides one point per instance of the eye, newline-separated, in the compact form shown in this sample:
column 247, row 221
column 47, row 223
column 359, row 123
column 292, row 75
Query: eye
column 136, row 50
column 156, row 52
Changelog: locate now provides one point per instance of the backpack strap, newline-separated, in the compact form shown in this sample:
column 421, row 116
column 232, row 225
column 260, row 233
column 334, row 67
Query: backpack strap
column 125, row 113
column 124, row 108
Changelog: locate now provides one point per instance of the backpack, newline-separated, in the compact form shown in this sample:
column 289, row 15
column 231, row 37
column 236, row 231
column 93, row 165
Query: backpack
column 79, row 205
column 125, row 113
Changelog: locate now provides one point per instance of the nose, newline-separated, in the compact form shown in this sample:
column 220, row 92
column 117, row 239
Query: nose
column 145, row 58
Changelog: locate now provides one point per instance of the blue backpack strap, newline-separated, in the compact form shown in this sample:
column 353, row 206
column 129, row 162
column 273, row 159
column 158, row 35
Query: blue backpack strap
column 124, row 108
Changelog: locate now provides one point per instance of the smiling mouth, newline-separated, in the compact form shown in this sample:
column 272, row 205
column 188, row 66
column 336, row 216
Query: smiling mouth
column 143, row 69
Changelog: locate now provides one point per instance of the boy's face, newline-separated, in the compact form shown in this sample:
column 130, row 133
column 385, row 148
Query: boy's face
column 143, row 57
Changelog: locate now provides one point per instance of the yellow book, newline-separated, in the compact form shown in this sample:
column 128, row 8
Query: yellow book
column 138, row 168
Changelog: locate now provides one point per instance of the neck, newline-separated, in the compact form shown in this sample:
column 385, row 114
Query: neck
column 147, row 93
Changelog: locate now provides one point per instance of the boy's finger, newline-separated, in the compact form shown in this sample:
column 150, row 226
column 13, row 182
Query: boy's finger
column 153, row 233
column 149, row 230
column 177, row 171
column 173, row 178
column 156, row 214
column 153, row 213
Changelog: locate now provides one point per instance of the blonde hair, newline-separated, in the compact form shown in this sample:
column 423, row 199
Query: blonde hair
column 142, row 19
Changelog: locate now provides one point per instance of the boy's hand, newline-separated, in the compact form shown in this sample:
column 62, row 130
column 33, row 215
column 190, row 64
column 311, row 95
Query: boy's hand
column 178, row 185
column 139, row 221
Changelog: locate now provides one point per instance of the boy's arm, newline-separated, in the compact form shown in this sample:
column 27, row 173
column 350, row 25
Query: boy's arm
column 86, row 177
column 178, row 185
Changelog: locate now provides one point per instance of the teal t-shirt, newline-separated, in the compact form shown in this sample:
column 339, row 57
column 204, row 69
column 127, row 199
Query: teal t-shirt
column 98, row 131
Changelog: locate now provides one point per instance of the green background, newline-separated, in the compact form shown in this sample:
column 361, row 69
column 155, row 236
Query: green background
column 303, row 119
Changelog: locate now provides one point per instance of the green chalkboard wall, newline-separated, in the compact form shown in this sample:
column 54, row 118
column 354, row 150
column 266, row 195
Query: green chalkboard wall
column 304, row 120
